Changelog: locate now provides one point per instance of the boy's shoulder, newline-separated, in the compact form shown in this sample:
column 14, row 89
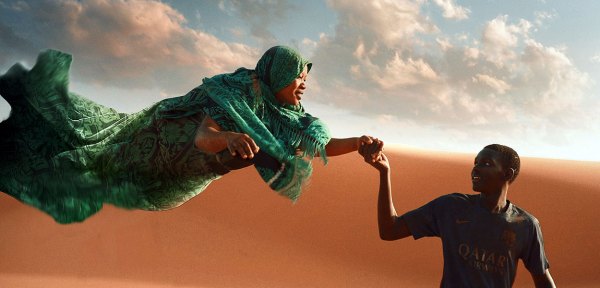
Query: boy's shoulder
column 519, row 214
column 458, row 199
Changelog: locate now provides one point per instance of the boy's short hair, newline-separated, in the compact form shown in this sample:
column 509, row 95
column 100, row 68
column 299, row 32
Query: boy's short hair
column 510, row 158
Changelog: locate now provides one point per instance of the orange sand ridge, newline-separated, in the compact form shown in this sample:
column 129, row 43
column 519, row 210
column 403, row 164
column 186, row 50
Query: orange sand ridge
column 239, row 234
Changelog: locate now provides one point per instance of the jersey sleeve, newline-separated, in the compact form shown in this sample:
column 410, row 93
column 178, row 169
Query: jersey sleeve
column 533, row 255
column 423, row 221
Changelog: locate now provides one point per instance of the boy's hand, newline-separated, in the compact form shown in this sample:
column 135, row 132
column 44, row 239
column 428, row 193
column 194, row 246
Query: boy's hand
column 382, row 164
column 373, row 154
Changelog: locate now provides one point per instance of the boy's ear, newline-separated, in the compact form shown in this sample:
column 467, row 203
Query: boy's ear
column 510, row 173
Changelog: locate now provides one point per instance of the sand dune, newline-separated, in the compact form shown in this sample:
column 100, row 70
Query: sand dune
column 239, row 234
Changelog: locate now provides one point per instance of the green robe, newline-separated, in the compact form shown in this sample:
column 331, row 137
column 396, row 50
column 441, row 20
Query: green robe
column 67, row 155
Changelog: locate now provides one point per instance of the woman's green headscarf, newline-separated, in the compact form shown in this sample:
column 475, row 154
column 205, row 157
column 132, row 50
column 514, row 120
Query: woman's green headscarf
column 279, row 130
column 279, row 66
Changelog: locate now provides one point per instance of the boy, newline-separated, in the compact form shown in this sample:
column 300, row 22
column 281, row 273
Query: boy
column 483, row 235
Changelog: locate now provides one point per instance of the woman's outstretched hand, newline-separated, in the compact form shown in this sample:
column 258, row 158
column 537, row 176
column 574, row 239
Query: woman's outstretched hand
column 241, row 144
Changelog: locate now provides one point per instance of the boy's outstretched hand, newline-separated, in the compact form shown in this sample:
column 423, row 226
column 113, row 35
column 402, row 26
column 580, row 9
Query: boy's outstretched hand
column 373, row 154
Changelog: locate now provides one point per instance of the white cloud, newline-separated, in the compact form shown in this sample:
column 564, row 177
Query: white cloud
column 135, row 44
column 502, row 80
column 390, row 22
column 542, row 16
column 500, row 40
column 471, row 53
column 453, row 11
column 307, row 47
column 595, row 58
column 497, row 85
column 370, row 52
column 399, row 73
column 444, row 43
column 557, row 87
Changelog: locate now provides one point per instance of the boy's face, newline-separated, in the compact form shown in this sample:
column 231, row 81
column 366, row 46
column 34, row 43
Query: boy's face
column 488, row 175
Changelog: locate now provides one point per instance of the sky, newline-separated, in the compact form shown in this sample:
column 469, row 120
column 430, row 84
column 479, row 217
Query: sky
column 443, row 75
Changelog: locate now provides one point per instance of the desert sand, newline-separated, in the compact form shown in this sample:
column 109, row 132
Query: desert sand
column 238, row 233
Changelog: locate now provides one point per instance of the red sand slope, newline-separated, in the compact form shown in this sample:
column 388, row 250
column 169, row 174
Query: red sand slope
column 239, row 234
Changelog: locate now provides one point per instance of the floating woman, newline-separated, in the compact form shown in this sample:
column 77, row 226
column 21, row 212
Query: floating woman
column 67, row 155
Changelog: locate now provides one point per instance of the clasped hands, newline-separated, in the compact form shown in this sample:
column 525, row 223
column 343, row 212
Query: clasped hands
column 372, row 152
column 370, row 148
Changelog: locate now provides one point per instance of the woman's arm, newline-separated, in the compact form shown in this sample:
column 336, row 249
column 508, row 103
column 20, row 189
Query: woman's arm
column 210, row 138
column 340, row 146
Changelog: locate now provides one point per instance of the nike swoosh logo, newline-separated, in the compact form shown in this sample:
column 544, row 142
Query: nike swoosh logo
column 458, row 221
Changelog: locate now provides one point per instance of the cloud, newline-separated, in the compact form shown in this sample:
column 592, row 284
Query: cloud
column 560, row 88
column 130, row 44
column 444, row 43
column 260, row 15
column 542, row 16
column 500, row 40
column 400, row 73
column 380, row 62
column 453, row 11
column 385, row 61
column 367, row 54
column 390, row 22
column 497, row 85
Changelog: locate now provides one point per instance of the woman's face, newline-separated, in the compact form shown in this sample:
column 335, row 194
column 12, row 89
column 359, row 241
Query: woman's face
column 292, row 93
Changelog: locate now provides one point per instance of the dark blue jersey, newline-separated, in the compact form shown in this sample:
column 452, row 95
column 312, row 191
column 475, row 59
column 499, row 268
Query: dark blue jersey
column 481, row 249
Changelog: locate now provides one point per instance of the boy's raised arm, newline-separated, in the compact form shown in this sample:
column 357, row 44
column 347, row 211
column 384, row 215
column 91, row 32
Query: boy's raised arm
column 391, row 227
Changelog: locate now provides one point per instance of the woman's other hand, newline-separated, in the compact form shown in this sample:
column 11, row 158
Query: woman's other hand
column 210, row 138
column 241, row 144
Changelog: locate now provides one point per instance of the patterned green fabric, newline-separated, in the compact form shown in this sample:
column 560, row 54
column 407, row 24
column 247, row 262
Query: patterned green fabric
column 67, row 155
